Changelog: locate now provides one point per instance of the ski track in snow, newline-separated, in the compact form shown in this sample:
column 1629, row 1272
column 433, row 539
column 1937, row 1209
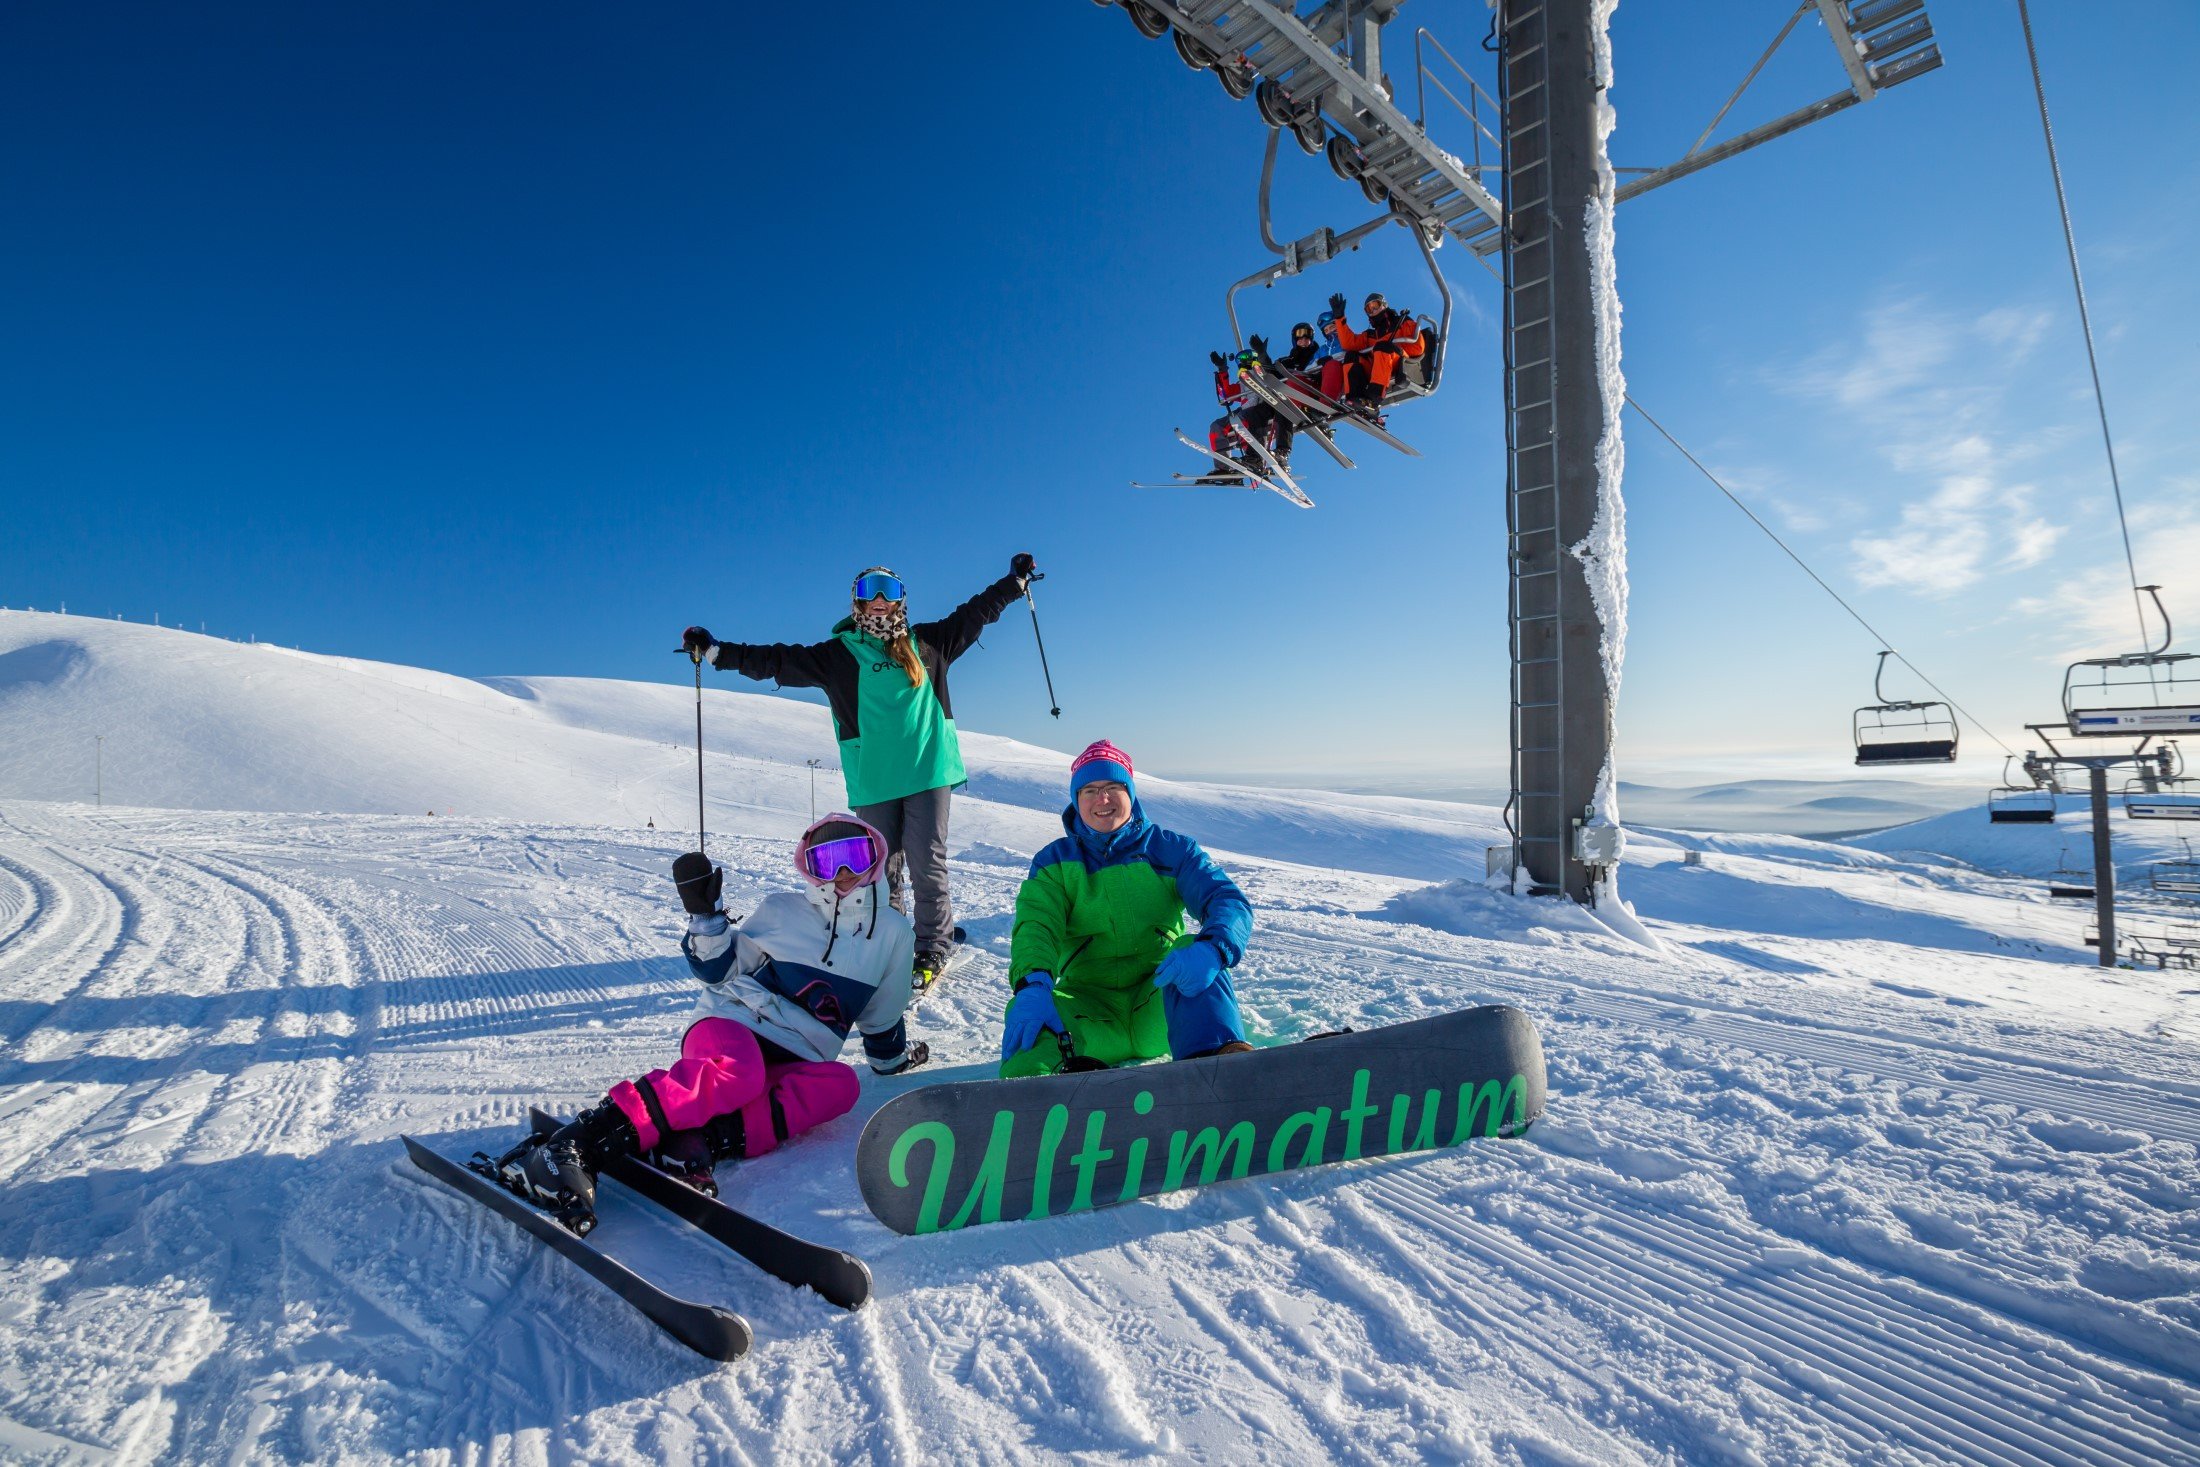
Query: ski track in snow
column 1929, row 1197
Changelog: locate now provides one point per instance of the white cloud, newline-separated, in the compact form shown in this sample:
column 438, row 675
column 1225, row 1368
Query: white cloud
column 1926, row 386
column 2089, row 613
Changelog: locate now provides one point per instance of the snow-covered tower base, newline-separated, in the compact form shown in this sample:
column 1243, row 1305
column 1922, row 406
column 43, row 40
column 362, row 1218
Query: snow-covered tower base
column 1563, row 397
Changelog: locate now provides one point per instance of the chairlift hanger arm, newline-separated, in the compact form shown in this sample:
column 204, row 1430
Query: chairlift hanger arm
column 1881, row 43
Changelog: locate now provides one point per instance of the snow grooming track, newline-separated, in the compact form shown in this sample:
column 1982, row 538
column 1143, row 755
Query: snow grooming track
column 1867, row 1363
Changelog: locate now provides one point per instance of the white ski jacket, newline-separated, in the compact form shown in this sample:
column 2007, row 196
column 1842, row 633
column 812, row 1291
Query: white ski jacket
column 808, row 966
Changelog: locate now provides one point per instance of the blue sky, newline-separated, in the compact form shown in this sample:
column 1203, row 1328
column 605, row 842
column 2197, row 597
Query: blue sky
column 507, row 339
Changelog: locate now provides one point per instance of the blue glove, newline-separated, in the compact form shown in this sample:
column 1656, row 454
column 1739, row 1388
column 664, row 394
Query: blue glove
column 1190, row 970
column 1030, row 1014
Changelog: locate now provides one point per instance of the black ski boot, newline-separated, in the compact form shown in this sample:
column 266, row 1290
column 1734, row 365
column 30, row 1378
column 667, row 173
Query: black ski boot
column 557, row 1173
column 687, row 1157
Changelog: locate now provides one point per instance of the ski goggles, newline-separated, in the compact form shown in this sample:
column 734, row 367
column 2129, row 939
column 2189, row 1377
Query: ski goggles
column 827, row 859
column 874, row 584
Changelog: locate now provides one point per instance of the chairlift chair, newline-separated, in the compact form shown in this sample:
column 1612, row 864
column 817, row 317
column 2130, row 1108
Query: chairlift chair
column 1902, row 731
column 2181, row 877
column 2137, row 693
column 2020, row 804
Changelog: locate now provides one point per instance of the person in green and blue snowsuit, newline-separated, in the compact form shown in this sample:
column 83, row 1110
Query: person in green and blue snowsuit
column 1100, row 967
column 887, row 683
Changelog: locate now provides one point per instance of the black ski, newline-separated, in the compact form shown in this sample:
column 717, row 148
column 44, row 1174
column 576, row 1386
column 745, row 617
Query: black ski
column 717, row 1334
column 841, row 1277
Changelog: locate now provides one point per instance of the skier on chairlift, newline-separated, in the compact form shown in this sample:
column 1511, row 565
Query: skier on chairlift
column 1374, row 354
column 1259, row 420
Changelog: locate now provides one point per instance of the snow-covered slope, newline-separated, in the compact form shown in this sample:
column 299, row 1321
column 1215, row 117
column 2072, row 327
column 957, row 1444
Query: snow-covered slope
column 1861, row 1162
column 195, row 722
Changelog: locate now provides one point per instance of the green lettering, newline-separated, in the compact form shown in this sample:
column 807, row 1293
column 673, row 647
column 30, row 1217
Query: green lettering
column 1315, row 1123
column 1050, row 1139
column 1356, row 1115
column 1087, row 1160
column 935, row 1183
column 1425, row 1137
column 1213, row 1143
column 1514, row 1094
column 1135, row 1172
column 985, row 1187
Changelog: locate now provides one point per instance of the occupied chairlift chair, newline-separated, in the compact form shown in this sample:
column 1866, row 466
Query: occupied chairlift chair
column 1902, row 731
column 2152, row 692
column 2021, row 804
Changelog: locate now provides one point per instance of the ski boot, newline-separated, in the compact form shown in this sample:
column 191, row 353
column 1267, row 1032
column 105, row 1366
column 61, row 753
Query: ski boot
column 932, row 966
column 912, row 1055
column 557, row 1173
column 688, row 1158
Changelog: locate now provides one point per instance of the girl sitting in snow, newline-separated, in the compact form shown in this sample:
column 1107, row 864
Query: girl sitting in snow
column 781, row 992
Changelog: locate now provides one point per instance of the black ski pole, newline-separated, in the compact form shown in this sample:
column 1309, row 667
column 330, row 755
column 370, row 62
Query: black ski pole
column 1052, row 706
column 697, row 656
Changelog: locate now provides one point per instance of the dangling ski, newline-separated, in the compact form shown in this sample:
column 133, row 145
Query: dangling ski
column 716, row 1334
column 841, row 1277
column 1301, row 393
column 1276, row 469
column 1269, row 390
column 1231, row 468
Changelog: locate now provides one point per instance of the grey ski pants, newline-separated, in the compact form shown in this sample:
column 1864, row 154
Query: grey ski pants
column 915, row 827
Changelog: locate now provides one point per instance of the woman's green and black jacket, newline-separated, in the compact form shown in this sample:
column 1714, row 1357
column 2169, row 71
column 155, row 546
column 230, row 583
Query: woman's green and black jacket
column 895, row 740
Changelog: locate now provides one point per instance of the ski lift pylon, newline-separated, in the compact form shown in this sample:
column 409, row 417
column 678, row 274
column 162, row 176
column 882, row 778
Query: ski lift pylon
column 1903, row 731
column 2150, row 692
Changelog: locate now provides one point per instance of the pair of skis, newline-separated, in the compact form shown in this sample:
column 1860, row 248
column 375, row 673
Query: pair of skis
column 715, row 1333
column 1230, row 473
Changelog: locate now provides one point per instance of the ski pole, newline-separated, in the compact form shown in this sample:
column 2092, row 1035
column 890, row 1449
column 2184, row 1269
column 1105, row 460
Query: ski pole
column 1052, row 706
column 697, row 656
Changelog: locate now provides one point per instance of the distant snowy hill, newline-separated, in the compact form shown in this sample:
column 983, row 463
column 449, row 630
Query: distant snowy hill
column 196, row 722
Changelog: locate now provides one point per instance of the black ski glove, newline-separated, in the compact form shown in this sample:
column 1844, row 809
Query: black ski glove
column 1260, row 345
column 1021, row 566
column 700, row 883
column 1216, row 358
column 1336, row 307
column 697, row 642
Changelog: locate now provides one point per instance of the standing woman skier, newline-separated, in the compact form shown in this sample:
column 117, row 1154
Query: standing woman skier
column 887, row 683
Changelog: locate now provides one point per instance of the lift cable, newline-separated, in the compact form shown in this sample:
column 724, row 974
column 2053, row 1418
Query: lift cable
column 2085, row 318
column 1821, row 580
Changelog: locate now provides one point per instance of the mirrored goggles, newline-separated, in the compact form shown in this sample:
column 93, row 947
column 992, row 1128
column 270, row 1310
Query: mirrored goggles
column 827, row 859
column 880, row 583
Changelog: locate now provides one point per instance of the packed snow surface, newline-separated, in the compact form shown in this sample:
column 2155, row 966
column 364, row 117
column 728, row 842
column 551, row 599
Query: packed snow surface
column 1861, row 1162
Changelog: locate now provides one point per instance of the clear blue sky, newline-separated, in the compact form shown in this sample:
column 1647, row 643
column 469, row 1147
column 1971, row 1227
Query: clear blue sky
column 511, row 339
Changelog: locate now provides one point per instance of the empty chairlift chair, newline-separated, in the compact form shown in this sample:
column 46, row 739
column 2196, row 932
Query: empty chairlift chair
column 1904, row 732
column 2160, row 794
column 2020, row 804
column 2137, row 693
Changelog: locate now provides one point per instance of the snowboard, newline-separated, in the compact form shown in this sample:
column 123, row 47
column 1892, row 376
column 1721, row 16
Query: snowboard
column 951, row 1156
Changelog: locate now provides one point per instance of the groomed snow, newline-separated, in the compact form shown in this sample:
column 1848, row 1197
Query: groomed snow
column 1862, row 1163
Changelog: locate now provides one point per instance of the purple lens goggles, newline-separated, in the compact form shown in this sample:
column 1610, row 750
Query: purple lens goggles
column 826, row 859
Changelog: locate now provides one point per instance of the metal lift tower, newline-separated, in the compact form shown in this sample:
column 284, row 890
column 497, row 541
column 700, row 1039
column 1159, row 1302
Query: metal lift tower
column 1316, row 68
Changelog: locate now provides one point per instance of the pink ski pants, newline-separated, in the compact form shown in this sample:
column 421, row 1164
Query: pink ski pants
column 720, row 1071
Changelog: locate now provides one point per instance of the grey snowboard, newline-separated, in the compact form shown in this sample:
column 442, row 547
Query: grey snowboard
column 949, row 1156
